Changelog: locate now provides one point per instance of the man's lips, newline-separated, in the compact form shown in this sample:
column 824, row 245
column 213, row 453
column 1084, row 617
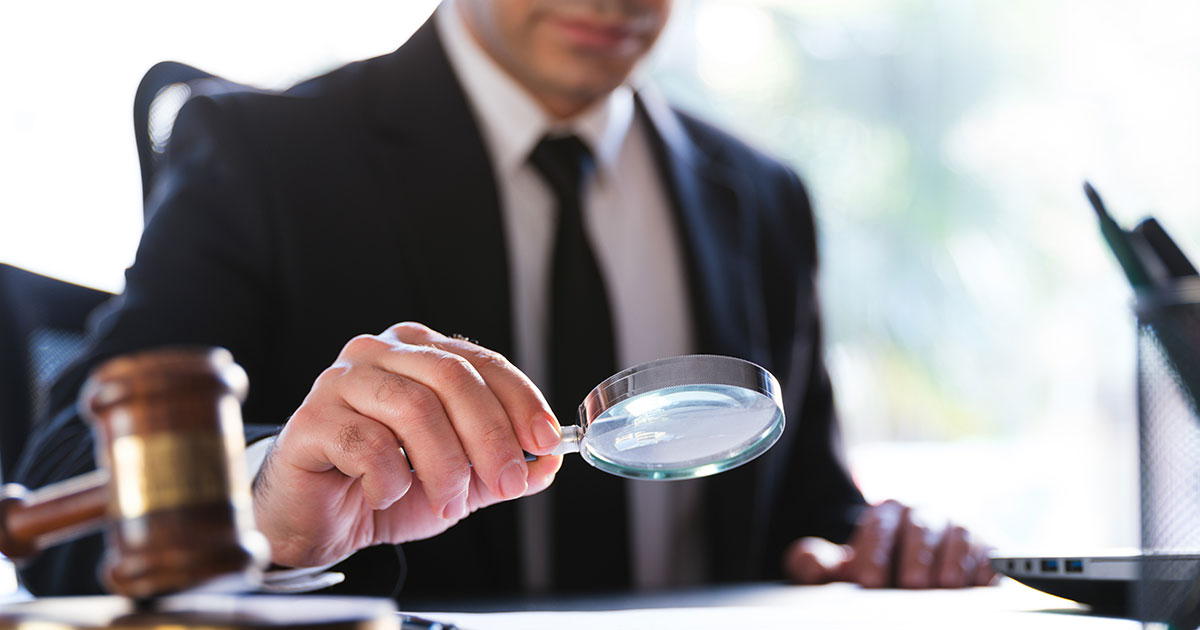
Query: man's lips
column 595, row 35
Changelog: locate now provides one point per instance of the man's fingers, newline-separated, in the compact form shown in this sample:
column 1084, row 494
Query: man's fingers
column 914, row 553
column 358, row 447
column 532, row 420
column 892, row 545
column 984, row 574
column 409, row 414
column 542, row 472
column 874, row 543
column 951, row 568
column 414, row 414
column 480, row 421
column 816, row 561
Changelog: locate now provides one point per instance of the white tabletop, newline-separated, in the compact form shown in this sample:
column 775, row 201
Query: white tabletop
column 759, row 606
column 10, row 589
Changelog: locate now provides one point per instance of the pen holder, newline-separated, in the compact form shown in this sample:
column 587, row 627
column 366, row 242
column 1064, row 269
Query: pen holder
column 1169, row 451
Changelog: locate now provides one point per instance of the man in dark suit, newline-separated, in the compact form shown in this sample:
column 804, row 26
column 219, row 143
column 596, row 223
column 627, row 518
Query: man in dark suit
column 497, row 177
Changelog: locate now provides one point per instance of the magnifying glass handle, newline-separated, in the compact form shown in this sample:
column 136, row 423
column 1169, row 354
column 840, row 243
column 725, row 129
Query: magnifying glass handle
column 572, row 435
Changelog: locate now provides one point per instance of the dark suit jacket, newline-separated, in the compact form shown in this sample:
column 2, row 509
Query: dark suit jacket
column 283, row 225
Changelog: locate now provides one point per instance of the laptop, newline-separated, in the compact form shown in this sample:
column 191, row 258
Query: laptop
column 1153, row 587
column 1108, row 583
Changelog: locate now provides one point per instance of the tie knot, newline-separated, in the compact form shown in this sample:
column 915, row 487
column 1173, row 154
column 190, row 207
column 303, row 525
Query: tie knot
column 564, row 162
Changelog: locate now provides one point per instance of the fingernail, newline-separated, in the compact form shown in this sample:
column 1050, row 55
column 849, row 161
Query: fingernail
column 546, row 433
column 456, row 509
column 513, row 481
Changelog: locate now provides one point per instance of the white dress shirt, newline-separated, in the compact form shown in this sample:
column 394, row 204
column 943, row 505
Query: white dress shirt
column 629, row 221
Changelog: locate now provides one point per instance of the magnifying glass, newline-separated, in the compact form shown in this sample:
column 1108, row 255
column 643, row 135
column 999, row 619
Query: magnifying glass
column 678, row 418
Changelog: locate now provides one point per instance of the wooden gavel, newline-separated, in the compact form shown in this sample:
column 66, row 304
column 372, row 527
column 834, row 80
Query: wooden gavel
column 170, row 491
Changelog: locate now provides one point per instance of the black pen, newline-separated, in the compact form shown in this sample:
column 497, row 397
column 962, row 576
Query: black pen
column 413, row 622
column 1118, row 242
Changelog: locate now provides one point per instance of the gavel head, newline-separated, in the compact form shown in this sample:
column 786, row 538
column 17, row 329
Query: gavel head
column 168, row 428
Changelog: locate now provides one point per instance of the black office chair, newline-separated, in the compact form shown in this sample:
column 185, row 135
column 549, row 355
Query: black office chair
column 163, row 90
column 42, row 324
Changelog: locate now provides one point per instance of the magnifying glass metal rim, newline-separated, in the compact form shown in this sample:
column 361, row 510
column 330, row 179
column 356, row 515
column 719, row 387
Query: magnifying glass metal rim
column 674, row 372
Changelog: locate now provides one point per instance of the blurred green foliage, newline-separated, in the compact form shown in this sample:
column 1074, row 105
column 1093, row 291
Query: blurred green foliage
column 966, row 290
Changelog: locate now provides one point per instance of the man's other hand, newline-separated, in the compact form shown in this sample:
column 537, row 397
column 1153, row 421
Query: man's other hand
column 891, row 547
column 338, row 478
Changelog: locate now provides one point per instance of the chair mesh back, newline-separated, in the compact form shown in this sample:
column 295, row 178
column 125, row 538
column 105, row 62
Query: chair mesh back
column 50, row 351
column 42, row 324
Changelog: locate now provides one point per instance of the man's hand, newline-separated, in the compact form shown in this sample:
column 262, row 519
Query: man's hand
column 890, row 547
column 338, row 478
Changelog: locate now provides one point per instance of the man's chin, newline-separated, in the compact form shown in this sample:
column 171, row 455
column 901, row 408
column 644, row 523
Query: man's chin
column 566, row 98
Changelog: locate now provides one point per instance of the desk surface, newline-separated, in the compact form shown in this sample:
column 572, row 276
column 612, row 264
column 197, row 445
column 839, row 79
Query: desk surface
column 759, row 606
column 10, row 590
column 766, row 606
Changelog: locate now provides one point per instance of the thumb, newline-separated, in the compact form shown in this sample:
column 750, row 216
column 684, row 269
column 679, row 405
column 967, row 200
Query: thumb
column 817, row 561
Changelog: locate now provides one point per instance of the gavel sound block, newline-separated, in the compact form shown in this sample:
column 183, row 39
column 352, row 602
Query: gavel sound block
column 172, row 495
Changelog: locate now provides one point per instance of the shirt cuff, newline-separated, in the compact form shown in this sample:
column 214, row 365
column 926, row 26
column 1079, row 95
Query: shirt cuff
column 256, row 455
column 287, row 580
column 300, row 580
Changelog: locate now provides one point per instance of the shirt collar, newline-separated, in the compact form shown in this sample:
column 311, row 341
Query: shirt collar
column 512, row 122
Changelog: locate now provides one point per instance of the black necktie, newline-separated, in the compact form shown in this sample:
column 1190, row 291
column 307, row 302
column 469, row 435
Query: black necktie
column 590, row 540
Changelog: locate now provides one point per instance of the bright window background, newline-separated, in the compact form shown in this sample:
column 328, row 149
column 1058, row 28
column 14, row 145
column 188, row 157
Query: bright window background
column 980, row 337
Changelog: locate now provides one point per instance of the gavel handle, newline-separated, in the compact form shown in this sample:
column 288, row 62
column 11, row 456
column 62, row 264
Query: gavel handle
column 32, row 521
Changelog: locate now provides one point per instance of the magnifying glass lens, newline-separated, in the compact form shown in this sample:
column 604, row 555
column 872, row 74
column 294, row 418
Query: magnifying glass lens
column 681, row 418
column 681, row 432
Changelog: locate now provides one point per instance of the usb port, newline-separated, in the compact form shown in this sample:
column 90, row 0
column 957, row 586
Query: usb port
column 1049, row 566
column 1073, row 566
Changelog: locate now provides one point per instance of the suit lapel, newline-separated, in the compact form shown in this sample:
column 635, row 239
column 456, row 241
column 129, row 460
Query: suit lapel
column 445, row 193
column 711, row 204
